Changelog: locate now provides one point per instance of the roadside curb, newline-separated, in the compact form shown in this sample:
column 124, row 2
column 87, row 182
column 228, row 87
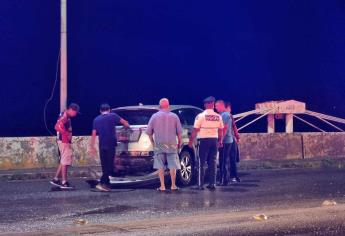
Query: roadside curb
column 83, row 172
column 42, row 173
column 315, row 163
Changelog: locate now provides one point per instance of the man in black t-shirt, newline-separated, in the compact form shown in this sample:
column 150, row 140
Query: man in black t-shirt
column 104, row 126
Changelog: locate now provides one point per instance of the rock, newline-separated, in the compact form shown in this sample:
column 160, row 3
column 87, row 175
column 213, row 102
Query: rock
column 329, row 203
column 80, row 222
column 260, row 217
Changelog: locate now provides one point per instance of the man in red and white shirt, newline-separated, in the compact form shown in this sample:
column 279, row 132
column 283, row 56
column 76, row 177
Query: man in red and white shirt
column 208, row 128
column 63, row 128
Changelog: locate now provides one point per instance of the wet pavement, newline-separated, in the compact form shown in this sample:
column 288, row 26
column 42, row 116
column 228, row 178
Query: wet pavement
column 291, row 199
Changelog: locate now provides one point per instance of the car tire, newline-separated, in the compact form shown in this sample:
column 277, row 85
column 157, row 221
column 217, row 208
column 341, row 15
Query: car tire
column 185, row 176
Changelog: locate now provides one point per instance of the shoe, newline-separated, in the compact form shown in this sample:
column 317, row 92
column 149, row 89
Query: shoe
column 235, row 180
column 102, row 188
column 211, row 187
column 66, row 185
column 55, row 182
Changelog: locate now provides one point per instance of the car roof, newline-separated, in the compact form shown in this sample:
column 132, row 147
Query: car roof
column 154, row 107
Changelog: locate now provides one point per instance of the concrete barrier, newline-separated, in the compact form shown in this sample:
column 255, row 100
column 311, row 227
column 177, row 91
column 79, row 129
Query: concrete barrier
column 323, row 145
column 278, row 146
column 42, row 152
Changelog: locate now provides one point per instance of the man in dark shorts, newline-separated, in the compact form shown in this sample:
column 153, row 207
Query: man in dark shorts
column 63, row 128
column 104, row 126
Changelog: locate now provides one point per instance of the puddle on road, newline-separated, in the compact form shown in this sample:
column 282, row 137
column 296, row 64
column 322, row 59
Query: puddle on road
column 108, row 210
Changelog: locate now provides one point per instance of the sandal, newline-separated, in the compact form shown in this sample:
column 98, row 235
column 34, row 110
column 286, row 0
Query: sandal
column 175, row 189
column 160, row 190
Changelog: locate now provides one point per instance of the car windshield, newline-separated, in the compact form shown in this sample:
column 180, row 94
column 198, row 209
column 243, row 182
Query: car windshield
column 136, row 117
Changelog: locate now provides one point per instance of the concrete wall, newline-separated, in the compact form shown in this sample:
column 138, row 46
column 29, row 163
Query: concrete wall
column 271, row 146
column 323, row 145
column 38, row 152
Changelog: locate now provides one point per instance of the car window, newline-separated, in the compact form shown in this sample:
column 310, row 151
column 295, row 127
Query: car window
column 188, row 115
column 136, row 117
column 180, row 116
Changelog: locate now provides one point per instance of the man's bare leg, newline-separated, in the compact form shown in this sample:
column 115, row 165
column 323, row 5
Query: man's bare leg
column 173, row 178
column 64, row 173
column 161, row 178
column 58, row 172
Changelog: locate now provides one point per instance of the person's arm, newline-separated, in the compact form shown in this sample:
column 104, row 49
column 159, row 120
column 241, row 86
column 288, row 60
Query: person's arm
column 179, row 141
column 234, row 127
column 152, row 140
column 193, row 136
column 60, row 125
column 178, row 132
column 66, row 134
column 220, row 137
column 221, row 132
column 236, row 134
column 225, row 130
column 149, row 130
column 124, row 123
column 196, row 129
column 92, row 149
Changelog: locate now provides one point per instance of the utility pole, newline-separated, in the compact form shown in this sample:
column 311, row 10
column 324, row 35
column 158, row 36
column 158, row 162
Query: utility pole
column 63, row 56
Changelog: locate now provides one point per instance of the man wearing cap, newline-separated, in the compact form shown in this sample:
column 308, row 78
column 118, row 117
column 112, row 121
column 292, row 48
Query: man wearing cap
column 104, row 126
column 63, row 127
column 165, row 132
column 208, row 127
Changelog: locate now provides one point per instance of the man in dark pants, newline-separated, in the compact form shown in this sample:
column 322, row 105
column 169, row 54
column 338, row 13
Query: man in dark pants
column 208, row 126
column 104, row 126
column 234, row 152
column 225, row 161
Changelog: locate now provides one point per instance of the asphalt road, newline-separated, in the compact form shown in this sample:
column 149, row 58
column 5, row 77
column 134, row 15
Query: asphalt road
column 291, row 199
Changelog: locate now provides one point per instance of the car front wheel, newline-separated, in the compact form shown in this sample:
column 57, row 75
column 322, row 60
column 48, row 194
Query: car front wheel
column 185, row 175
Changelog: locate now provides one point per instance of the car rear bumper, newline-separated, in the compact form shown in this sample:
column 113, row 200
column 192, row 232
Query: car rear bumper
column 137, row 165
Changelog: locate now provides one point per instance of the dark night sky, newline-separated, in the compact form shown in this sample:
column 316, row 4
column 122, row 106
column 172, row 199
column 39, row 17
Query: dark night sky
column 131, row 51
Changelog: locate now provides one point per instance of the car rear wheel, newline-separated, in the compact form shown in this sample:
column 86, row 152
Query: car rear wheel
column 185, row 175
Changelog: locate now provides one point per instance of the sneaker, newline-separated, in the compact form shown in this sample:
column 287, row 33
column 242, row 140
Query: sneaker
column 66, row 186
column 102, row 188
column 235, row 180
column 55, row 182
